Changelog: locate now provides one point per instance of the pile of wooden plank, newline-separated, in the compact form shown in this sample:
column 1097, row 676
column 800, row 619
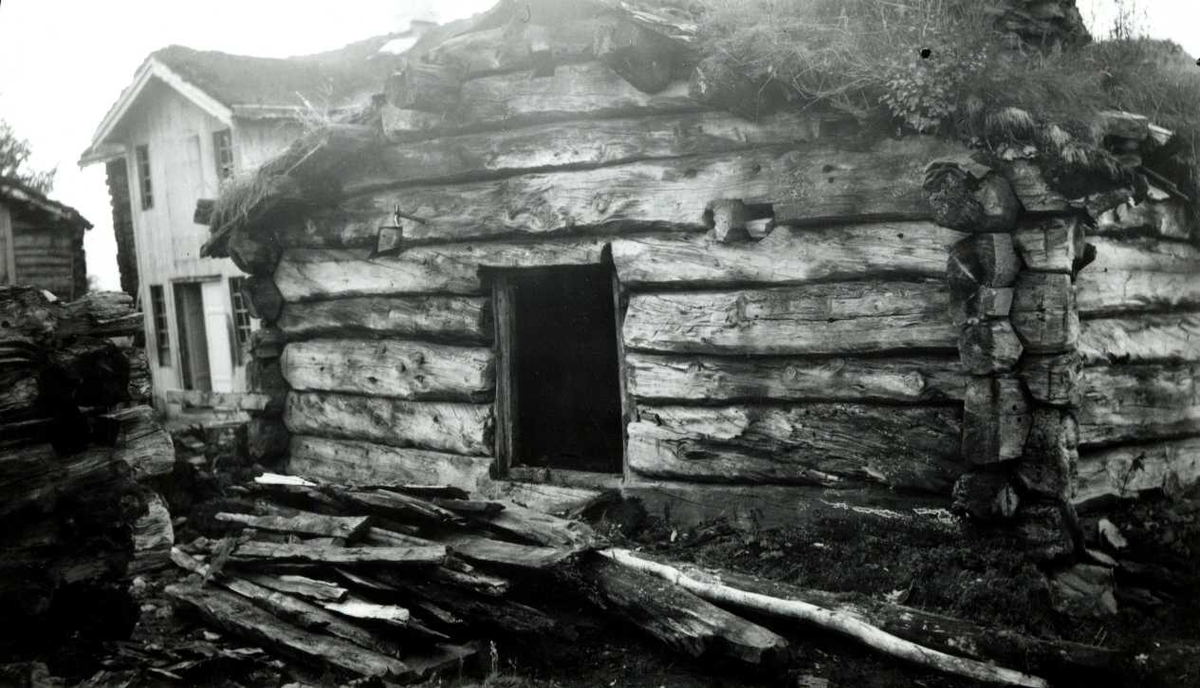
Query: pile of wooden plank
column 75, row 438
column 401, row 581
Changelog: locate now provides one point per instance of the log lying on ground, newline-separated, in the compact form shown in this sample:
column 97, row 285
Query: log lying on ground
column 240, row 617
column 153, row 537
column 142, row 442
column 540, row 529
column 678, row 619
column 306, row 523
column 496, row 553
column 303, row 586
column 842, row 622
column 1053, row 658
column 271, row 552
column 838, row 318
column 488, row 613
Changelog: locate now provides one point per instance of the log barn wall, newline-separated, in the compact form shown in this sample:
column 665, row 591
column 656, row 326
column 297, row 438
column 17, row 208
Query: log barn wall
column 811, row 348
column 1139, row 308
column 812, row 318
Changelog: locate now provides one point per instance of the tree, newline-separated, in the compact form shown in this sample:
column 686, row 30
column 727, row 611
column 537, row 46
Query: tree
column 14, row 154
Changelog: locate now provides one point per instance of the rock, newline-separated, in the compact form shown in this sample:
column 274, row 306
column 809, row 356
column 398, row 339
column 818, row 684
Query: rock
column 1084, row 590
column 1111, row 535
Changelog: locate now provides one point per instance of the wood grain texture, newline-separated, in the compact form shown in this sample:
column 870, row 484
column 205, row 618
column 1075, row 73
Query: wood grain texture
column 390, row 368
column 786, row 256
column 464, row 319
column 1142, row 402
column 822, row 444
column 837, row 318
column 1141, row 338
column 1044, row 312
column 593, row 143
column 996, row 420
column 667, row 378
column 366, row 463
column 1050, row 245
column 806, row 182
column 1129, row 471
column 1133, row 275
column 306, row 274
column 443, row 426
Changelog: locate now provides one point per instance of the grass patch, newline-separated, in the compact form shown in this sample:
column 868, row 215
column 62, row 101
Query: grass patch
column 948, row 67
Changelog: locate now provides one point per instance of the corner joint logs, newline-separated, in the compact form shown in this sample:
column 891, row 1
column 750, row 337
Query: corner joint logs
column 1012, row 298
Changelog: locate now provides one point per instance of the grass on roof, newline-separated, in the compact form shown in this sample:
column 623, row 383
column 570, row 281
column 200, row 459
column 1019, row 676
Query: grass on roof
column 975, row 82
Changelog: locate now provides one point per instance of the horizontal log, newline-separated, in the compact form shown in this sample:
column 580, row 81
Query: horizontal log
column 1141, row 338
column 535, row 527
column 996, row 420
column 274, row 552
column 786, row 256
column 451, row 268
column 507, row 555
column 516, row 47
column 1128, row 471
column 439, row 318
column 390, row 368
column 671, row 194
column 444, row 426
column 364, row 463
column 576, row 91
column 1170, row 218
column 221, row 401
column 301, row 586
column 142, row 442
column 240, row 617
column 813, row 444
column 1132, row 403
column 1035, row 193
column 510, row 151
column 837, row 318
column 983, row 260
column 1139, row 275
column 661, row 378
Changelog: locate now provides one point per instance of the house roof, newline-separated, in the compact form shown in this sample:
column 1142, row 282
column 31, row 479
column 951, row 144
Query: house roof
column 228, row 86
column 19, row 194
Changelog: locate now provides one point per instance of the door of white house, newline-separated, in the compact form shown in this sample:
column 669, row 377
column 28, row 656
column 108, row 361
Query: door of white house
column 216, row 328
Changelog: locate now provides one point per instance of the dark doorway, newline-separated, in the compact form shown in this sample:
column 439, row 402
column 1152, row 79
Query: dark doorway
column 559, row 358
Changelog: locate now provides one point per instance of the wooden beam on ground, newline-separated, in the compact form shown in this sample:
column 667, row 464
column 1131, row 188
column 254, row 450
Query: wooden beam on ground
column 218, row 401
column 273, row 552
column 307, row 523
column 677, row 618
column 461, row 319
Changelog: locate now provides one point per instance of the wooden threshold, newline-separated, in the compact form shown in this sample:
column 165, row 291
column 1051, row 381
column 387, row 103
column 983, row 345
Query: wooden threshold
column 564, row 478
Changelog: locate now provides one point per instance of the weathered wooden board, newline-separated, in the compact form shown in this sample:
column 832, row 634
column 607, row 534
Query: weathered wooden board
column 261, row 552
column 807, row 182
column 369, row 464
column 450, row 268
column 464, row 319
column 1127, row 471
column 221, row 401
column 390, row 368
column 812, row 444
column 1134, row 275
column 516, row 46
column 1043, row 312
column 576, row 91
column 1050, row 245
column 1138, row 403
column 1141, row 338
column 786, row 256
column 837, row 318
column 664, row 379
column 996, row 420
column 458, row 428
column 592, row 143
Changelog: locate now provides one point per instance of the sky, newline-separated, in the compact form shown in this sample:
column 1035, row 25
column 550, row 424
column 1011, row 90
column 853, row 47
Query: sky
column 64, row 62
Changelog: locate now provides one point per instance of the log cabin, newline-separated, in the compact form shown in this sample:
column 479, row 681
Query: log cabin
column 189, row 122
column 41, row 242
column 559, row 257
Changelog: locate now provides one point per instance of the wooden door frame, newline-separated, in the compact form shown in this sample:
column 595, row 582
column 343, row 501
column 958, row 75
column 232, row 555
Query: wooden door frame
column 507, row 397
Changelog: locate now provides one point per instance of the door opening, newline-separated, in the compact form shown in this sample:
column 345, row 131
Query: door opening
column 559, row 391
column 193, row 340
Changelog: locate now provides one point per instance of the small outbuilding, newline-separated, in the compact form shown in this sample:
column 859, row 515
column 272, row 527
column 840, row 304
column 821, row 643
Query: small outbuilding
column 41, row 242
column 558, row 256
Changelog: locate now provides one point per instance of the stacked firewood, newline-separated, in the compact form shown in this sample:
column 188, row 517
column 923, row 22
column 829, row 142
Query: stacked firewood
column 75, row 438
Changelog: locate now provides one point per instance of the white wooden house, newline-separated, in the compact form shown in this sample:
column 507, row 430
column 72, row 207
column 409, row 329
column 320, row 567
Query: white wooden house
column 188, row 121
